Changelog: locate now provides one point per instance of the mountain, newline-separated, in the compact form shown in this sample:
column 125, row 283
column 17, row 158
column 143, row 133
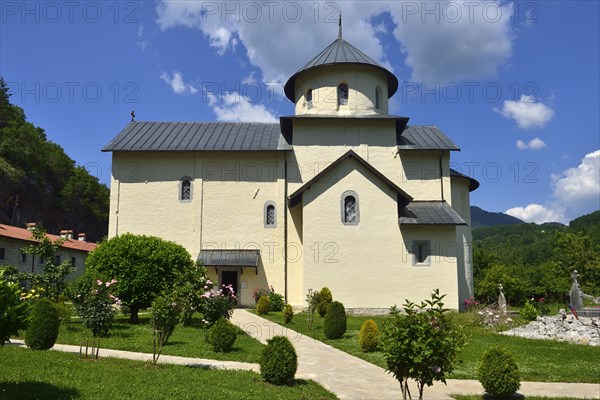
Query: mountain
column 481, row 217
column 40, row 183
column 588, row 224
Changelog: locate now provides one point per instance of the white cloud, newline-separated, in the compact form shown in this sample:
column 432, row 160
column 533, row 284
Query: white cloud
column 233, row 107
column 576, row 191
column 535, row 213
column 534, row 144
column 527, row 112
column 470, row 46
column 469, row 39
column 142, row 44
column 177, row 83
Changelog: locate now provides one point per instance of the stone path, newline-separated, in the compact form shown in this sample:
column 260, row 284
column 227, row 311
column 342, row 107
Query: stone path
column 352, row 378
column 347, row 376
column 163, row 359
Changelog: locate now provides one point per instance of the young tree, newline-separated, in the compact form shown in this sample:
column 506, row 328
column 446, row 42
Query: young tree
column 422, row 343
column 144, row 266
column 52, row 279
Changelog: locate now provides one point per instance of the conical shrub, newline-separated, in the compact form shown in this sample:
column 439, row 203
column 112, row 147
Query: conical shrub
column 42, row 329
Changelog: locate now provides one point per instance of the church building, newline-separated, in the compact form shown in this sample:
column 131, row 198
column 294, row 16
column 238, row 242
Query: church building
column 341, row 194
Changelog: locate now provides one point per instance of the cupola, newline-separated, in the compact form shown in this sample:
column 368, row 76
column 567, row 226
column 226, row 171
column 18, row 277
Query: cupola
column 341, row 79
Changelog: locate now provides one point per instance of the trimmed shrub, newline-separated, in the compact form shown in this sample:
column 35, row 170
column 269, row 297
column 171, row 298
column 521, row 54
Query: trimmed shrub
column 368, row 338
column 277, row 301
column 325, row 299
column 264, row 306
column 222, row 335
column 334, row 325
column 288, row 314
column 498, row 373
column 529, row 312
column 278, row 361
column 42, row 330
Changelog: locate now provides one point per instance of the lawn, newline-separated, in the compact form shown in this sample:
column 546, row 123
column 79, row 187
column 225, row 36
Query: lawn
column 538, row 360
column 26, row 374
column 185, row 341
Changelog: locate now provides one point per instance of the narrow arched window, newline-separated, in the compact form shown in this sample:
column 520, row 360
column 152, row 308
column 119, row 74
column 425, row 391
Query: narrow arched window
column 185, row 189
column 350, row 208
column 378, row 97
column 270, row 215
column 309, row 99
column 342, row 92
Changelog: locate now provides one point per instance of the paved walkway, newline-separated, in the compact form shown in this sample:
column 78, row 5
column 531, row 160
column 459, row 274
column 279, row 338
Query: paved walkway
column 347, row 376
column 350, row 377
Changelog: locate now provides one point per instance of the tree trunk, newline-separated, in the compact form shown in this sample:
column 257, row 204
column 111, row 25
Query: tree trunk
column 133, row 315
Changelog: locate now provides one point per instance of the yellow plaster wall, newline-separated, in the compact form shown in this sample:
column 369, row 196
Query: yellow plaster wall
column 370, row 265
column 361, row 81
column 318, row 143
column 461, row 204
column 229, row 192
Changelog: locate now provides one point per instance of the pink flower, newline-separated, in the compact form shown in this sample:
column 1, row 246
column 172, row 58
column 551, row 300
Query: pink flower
column 107, row 284
column 98, row 282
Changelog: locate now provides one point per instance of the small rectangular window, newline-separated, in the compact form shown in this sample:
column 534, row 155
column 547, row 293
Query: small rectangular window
column 421, row 252
column 57, row 260
column 40, row 260
column 73, row 262
column 23, row 256
column 2, row 253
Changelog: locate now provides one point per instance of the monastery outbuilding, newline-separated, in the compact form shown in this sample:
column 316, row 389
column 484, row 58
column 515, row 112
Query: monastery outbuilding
column 340, row 194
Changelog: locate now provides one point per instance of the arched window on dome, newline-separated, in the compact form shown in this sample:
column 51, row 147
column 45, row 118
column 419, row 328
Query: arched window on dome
column 309, row 99
column 342, row 92
column 378, row 98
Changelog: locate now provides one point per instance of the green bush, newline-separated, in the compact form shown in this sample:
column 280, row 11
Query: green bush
column 13, row 311
column 325, row 299
column 288, row 314
column 42, row 330
column 165, row 314
column 264, row 306
column 368, row 338
column 498, row 373
column 145, row 266
column 277, row 301
column 529, row 312
column 222, row 336
column 334, row 325
column 278, row 361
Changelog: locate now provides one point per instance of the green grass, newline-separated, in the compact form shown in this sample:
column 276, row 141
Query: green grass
column 538, row 360
column 185, row 341
column 26, row 374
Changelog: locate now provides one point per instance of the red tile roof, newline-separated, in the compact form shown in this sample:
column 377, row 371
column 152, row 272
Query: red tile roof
column 23, row 234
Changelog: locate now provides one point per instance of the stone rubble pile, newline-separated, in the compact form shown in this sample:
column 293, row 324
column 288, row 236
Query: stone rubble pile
column 583, row 331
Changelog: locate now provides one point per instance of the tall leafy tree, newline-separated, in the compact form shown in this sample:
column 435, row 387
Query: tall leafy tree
column 144, row 266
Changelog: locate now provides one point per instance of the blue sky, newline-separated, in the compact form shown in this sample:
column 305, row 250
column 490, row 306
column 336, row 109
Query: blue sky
column 514, row 84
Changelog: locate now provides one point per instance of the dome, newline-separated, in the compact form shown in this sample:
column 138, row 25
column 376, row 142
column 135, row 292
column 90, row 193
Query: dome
column 340, row 52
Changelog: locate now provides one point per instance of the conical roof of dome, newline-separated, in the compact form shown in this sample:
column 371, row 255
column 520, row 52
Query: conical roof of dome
column 340, row 52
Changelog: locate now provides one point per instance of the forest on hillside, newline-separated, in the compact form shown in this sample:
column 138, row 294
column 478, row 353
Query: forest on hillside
column 532, row 260
column 40, row 183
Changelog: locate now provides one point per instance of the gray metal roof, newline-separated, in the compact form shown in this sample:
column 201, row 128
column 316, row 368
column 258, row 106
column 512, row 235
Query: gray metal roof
column 473, row 183
column 340, row 52
column 230, row 258
column 425, row 137
column 199, row 136
column 429, row 213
